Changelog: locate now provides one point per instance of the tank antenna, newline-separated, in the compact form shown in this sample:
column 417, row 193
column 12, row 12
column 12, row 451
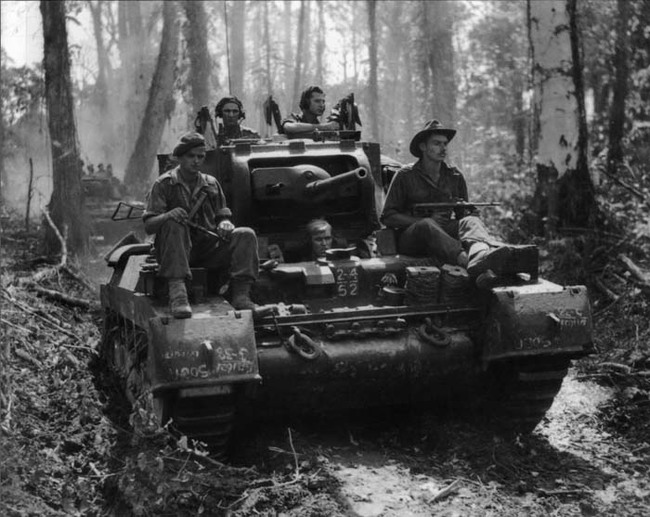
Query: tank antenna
column 225, row 13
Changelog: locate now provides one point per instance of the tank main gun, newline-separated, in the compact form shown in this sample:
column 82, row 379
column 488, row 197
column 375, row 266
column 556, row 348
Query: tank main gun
column 323, row 186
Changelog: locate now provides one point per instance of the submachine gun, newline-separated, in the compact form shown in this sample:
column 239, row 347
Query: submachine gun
column 428, row 209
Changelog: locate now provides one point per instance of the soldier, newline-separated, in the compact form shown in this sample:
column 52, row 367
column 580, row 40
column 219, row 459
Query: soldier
column 320, row 237
column 231, row 111
column 179, row 244
column 431, row 180
column 306, row 124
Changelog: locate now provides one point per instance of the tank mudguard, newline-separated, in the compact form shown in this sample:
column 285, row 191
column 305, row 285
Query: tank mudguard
column 202, row 352
column 536, row 320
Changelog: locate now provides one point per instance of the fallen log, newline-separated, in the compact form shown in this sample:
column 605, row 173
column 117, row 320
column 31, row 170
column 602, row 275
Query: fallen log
column 635, row 270
column 60, row 297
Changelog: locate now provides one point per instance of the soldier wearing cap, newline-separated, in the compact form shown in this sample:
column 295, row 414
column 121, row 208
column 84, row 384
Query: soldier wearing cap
column 463, row 240
column 231, row 111
column 179, row 245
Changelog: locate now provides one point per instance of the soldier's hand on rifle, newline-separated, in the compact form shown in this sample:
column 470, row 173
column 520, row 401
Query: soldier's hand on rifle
column 178, row 214
column 225, row 228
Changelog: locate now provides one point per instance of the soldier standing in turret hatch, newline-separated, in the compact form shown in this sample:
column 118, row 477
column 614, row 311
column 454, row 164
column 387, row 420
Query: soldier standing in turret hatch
column 464, row 240
column 173, row 197
column 305, row 124
column 231, row 111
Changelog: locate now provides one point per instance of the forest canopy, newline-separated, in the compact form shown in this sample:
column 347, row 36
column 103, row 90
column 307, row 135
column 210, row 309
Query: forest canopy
column 468, row 63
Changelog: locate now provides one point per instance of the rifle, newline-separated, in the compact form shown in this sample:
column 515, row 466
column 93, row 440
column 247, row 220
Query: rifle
column 272, row 112
column 138, row 208
column 426, row 209
column 346, row 113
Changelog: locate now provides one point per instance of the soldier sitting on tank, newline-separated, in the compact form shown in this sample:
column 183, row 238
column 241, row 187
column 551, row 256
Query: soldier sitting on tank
column 179, row 245
column 464, row 240
column 307, row 123
column 231, row 111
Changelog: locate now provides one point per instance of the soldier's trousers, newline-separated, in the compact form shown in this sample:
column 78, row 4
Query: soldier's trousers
column 444, row 240
column 178, row 249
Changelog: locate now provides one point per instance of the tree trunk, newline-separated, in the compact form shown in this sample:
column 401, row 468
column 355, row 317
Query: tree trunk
column 564, row 195
column 66, row 204
column 297, row 76
column 617, row 109
column 439, row 25
column 103, row 64
column 372, row 80
column 287, row 54
column 237, row 63
column 196, row 35
column 159, row 106
column 319, row 73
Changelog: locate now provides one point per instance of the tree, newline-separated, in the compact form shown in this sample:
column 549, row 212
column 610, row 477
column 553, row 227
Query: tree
column 237, row 30
column 617, row 109
column 66, row 203
column 103, row 63
column 159, row 105
column 437, row 67
column 565, row 194
column 297, row 73
column 373, row 88
column 196, row 35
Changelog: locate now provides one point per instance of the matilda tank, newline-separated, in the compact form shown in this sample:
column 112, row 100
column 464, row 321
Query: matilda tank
column 363, row 326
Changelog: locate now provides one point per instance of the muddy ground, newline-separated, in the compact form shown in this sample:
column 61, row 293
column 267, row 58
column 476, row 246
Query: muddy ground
column 68, row 445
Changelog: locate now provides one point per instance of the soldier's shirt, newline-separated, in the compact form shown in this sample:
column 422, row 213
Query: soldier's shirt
column 169, row 191
column 304, row 117
column 412, row 185
column 236, row 132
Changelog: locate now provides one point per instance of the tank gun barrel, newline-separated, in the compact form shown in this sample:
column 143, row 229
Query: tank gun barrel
column 317, row 187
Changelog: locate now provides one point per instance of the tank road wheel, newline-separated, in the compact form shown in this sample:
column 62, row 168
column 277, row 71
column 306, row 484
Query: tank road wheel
column 520, row 392
column 208, row 419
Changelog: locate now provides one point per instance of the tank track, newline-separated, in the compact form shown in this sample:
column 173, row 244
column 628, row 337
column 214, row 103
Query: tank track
column 208, row 419
column 521, row 391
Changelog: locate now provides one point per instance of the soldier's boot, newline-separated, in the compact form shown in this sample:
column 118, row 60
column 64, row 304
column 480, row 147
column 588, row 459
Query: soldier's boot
column 484, row 257
column 241, row 294
column 178, row 302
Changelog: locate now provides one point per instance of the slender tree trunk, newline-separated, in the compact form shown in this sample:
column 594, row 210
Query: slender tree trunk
column 297, row 74
column 564, row 194
column 237, row 31
column 440, row 57
column 372, row 80
column 319, row 73
column 103, row 64
column 196, row 35
column 66, row 204
column 287, row 54
column 159, row 106
column 617, row 109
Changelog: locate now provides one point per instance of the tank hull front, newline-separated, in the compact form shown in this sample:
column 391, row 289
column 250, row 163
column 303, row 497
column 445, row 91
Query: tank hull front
column 358, row 373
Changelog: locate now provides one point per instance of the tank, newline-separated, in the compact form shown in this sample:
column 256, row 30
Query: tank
column 102, row 193
column 361, row 327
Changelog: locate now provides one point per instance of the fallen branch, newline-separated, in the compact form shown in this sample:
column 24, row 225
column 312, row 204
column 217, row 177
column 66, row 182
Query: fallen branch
column 623, row 184
column 61, row 297
column 44, row 318
column 24, row 355
column 64, row 248
column 603, row 288
column 634, row 270
column 445, row 492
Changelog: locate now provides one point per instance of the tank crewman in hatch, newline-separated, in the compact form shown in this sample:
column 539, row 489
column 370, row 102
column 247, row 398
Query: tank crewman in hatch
column 231, row 111
column 179, row 245
column 463, row 241
column 303, row 125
